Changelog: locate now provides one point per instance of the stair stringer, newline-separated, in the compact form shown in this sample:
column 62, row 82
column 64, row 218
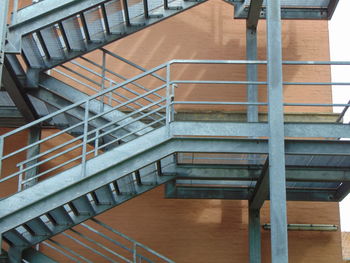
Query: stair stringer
column 72, row 183
column 68, row 92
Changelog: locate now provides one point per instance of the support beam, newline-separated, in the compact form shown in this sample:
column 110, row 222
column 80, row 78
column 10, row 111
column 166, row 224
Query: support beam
column 15, row 255
column 3, row 28
column 277, row 173
column 254, row 236
column 34, row 136
column 231, row 173
column 254, row 14
column 14, row 89
column 331, row 8
column 342, row 191
column 261, row 191
column 239, row 193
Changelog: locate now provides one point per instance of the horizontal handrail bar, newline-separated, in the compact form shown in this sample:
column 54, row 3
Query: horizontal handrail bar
column 238, row 62
column 82, row 122
column 89, row 140
column 318, row 83
column 115, row 74
column 317, row 104
column 83, row 101
column 69, row 250
column 100, row 245
column 76, row 147
column 219, row 103
column 218, row 82
column 115, row 83
column 325, row 63
column 87, row 247
column 96, row 90
column 285, row 62
column 59, row 251
column 131, row 63
column 131, row 240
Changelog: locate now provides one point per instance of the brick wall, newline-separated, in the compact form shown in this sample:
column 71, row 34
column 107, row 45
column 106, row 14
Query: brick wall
column 211, row 231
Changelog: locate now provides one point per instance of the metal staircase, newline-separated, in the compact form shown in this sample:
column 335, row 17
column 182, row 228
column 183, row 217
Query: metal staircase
column 78, row 179
column 50, row 33
column 57, row 93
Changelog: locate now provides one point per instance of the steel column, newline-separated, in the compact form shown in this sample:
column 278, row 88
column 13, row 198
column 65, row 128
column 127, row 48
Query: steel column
column 253, row 116
column 252, row 74
column 277, row 173
column 254, row 236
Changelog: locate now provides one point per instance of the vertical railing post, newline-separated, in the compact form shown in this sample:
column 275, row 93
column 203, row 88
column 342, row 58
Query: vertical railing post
column 110, row 94
column 172, row 106
column 134, row 252
column 168, row 98
column 20, row 178
column 277, row 169
column 14, row 12
column 252, row 74
column 85, row 138
column 96, row 142
column 103, row 80
column 1, row 153
column 4, row 7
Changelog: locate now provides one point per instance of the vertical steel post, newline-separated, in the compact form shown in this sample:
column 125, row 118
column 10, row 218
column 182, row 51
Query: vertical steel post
column 168, row 99
column 20, row 178
column 134, row 253
column 0, row 244
column 103, row 80
column 1, row 152
column 277, row 172
column 4, row 7
column 97, row 134
column 254, row 236
column 85, row 138
column 252, row 74
column 253, row 116
column 172, row 106
column 14, row 12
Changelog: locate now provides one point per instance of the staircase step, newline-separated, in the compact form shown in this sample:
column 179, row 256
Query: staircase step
column 82, row 207
column 60, row 217
column 104, row 195
column 16, row 238
column 37, row 227
column 78, row 27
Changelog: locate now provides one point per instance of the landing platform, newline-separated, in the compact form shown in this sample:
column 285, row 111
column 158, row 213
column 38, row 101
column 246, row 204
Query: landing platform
column 290, row 9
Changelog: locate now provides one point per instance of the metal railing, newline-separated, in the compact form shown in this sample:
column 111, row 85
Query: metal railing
column 92, row 77
column 97, row 131
column 98, row 240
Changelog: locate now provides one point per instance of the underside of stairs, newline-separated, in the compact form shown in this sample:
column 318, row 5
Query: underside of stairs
column 49, row 33
column 72, row 197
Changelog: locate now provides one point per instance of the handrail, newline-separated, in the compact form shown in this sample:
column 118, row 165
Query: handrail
column 111, row 126
column 129, row 252
column 42, row 119
column 131, row 240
